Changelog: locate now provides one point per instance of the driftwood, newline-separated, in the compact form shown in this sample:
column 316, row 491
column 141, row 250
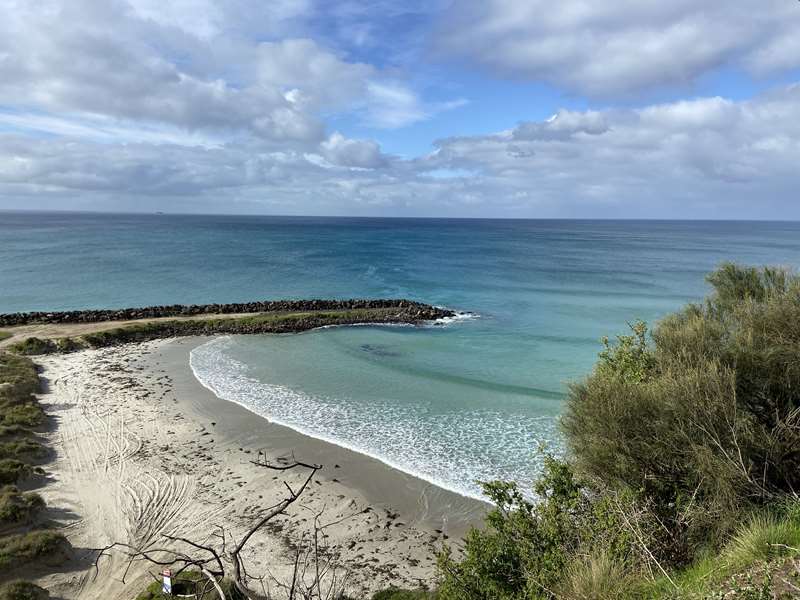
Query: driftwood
column 315, row 575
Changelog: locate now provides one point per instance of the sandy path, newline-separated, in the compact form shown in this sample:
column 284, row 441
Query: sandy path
column 56, row 330
column 133, row 463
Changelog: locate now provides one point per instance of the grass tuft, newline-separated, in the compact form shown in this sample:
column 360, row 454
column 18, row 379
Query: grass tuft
column 762, row 538
column 595, row 577
column 18, row 508
column 40, row 546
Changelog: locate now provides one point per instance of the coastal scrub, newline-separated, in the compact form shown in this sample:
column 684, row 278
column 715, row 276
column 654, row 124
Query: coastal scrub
column 683, row 465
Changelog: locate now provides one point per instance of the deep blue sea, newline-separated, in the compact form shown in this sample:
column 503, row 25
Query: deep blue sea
column 453, row 404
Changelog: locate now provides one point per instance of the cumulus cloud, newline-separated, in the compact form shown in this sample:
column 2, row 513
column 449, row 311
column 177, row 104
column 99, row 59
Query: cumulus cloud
column 97, row 58
column 709, row 157
column 608, row 48
column 217, row 105
column 341, row 151
column 200, row 67
column 562, row 125
column 685, row 155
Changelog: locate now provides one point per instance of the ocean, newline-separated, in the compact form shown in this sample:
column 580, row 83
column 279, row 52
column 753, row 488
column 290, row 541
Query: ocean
column 454, row 403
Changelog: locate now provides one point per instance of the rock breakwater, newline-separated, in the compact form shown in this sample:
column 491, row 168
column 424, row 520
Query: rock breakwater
column 418, row 310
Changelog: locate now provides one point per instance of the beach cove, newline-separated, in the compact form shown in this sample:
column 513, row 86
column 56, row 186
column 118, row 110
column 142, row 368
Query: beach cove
column 144, row 450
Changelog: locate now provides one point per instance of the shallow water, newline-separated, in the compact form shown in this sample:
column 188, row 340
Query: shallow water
column 470, row 400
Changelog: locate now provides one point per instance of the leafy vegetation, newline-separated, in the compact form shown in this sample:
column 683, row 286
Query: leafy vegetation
column 22, row 590
column 41, row 546
column 706, row 421
column 684, row 458
column 19, row 412
column 4, row 335
column 12, row 470
column 18, row 382
column 191, row 582
column 18, row 508
column 22, row 448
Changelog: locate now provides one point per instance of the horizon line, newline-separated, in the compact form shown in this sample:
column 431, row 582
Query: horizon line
column 384, row 217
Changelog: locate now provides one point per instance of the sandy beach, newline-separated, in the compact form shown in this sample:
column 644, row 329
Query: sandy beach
column 142, row 450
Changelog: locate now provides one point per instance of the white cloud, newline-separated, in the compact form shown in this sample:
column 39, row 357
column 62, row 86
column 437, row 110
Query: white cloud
column 667, row 157
column 391, row 105
column 708, row 157
column 111, row 103
column 607, row 48
column 196, row 67
column 341, row 151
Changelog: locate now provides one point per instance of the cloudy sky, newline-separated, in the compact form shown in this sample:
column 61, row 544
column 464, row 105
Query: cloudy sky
column 493, row 108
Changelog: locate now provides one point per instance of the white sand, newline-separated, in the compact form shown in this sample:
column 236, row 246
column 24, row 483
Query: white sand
column 143, row 451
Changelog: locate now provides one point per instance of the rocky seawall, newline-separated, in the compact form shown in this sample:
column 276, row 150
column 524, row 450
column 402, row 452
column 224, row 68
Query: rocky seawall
column 420, row 311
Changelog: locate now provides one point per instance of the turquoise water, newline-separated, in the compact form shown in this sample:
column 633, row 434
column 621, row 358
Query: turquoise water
column 451, row 403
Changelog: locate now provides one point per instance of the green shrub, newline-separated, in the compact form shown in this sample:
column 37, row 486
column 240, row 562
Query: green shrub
column 13, row 431
column 12, row 470
column 706, row 420
column 22, row 448
column 67, row 344
column 4, row 335
column 40, row 546
column 18, row 508
column 191, row 582
column 23, row 415
column 33, row 346
column 18, row 377
column 22, row 590
column 525, row 547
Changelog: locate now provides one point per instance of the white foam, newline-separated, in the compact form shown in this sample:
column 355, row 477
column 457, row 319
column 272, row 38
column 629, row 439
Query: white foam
column 458, row 317
column 450, row 450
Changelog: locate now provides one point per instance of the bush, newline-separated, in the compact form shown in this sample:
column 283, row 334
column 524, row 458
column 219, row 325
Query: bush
column 40, row 546
column 22, row 448
column 12, row 470
column 22, row 590
column 4, row 335
column 525, row 547
column 23, row 415
column 17, row 508
column 706, row 420
column 33, row 346
column 189, row 582
column 13, row 431
column 18, row 377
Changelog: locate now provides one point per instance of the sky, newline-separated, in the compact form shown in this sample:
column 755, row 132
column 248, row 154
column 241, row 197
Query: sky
column 447, row 108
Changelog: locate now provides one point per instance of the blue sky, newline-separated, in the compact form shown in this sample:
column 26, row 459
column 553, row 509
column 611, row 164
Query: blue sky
column 490, row 108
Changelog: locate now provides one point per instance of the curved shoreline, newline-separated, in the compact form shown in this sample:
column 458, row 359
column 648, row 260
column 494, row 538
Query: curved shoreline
column 178, row 449
column 331, row 440
column 419, row 499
